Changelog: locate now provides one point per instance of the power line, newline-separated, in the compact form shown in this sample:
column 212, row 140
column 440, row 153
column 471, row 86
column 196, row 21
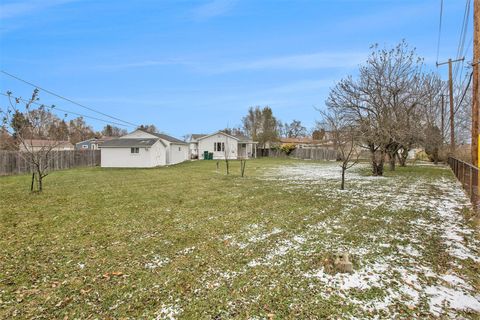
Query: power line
column 439, row 28
column 464, row 92
column 67, row 99
column 68, row 111
column 463, row 34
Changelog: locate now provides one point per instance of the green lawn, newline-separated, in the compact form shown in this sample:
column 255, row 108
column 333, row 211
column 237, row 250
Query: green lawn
column 189, row 242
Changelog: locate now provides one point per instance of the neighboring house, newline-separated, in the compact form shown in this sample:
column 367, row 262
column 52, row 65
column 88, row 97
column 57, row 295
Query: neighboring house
column 225, row 145
column 92, row 144
column 143, row 149
column 38, row 145
column 305, row 143
column 193, row 145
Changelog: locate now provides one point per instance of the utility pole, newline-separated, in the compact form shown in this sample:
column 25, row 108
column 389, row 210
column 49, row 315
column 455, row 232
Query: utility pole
column 452, row 108
column 443, row 118
column 476, row 80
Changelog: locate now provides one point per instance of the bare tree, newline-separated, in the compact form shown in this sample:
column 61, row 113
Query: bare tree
column 33, row 124
column 261, row 125
column 113, row 131
column 345, row 135
column 383, row 102
column 295, row 129
column 226, row 153
column 243, row 164
column 149, row 128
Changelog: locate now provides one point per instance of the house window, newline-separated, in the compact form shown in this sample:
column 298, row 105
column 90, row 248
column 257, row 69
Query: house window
column 134, row 150
column 84, row 146
column 218, row 146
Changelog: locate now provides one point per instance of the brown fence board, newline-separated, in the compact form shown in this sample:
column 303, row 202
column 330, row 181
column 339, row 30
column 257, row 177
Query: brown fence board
column 13, row 162
column 303, row 153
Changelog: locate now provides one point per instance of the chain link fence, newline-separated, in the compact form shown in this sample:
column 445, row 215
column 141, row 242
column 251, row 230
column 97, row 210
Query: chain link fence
column 467, row 174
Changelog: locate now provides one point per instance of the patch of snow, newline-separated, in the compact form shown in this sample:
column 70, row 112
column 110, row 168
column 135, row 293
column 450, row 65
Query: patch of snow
column 157, row 262
column 439, row 296
column 168, row 312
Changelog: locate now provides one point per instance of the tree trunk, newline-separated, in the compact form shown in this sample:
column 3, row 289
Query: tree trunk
column 32, row 185
column 391, row 161
column 402, row 158
column 377, row 161
column 40, row 186
column 342, row 186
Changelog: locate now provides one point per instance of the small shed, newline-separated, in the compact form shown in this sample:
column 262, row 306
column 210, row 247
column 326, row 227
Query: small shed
column 133, row 153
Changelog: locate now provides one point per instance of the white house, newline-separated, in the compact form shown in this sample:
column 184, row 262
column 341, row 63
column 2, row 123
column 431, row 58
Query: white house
column 44, row 145
column 224, row 145
column 193, row 145
column 141, row 149
column 92, row 144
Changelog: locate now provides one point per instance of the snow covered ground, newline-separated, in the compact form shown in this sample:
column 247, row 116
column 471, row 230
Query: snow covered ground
column 397, row 260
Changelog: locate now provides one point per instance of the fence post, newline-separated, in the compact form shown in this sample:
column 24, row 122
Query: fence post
column 471, row 184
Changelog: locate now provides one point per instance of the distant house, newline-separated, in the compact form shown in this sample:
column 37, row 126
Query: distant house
column 91, row 144
column 142, row 149
column 193, row 145
column 305, row 143
column 39, row 145
column 224, row 145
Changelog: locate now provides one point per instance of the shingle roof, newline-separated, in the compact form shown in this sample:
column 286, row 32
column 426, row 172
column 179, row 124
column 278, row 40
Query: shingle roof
column 166, row 137
column 198, row 135
column 128, row 142
column 45, row 143
column 241, row 137
column 169, row 138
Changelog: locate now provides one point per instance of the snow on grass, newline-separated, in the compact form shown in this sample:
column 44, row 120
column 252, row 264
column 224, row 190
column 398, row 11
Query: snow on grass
column 441, row 297
column 403, row 275
column 168, row 312
column 157, row 262
column 314, row 173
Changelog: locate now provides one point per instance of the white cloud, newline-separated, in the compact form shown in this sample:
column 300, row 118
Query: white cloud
column 213, row 8
column 17, row 9
column 301, row 61
column 141, row 64
column 319, row 60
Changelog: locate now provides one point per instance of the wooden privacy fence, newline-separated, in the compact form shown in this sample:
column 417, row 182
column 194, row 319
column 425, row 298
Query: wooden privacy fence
column 13, row 162
column 467, row 174
column 314, row 154
column 301, row 153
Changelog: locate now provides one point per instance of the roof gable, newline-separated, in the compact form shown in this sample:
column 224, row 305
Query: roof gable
column 163, row 136
column 130, row 142
column 218, row 132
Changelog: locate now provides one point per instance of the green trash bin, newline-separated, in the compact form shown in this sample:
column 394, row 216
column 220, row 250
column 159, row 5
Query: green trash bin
column 210, row 156
column 205, row 155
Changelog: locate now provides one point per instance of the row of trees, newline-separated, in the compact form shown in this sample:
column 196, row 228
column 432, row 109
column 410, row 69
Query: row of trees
column 390, row 107
column 264, row 127
column 41, row 123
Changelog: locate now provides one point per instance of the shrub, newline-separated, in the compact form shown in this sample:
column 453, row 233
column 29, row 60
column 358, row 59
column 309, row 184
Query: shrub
column 287, row 148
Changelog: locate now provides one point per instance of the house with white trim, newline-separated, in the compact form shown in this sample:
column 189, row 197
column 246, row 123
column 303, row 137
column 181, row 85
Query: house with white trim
column 193, row 145
column 142, row 149
column 223, row 145
column 92, row 144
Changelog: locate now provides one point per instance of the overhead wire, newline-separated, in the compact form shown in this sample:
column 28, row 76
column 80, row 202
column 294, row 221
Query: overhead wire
column 64, row 110
column 461, row 42
column 67, row 99
column 439, row 29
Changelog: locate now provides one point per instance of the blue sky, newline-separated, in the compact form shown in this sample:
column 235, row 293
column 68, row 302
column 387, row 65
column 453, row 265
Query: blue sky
column 196, row 66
